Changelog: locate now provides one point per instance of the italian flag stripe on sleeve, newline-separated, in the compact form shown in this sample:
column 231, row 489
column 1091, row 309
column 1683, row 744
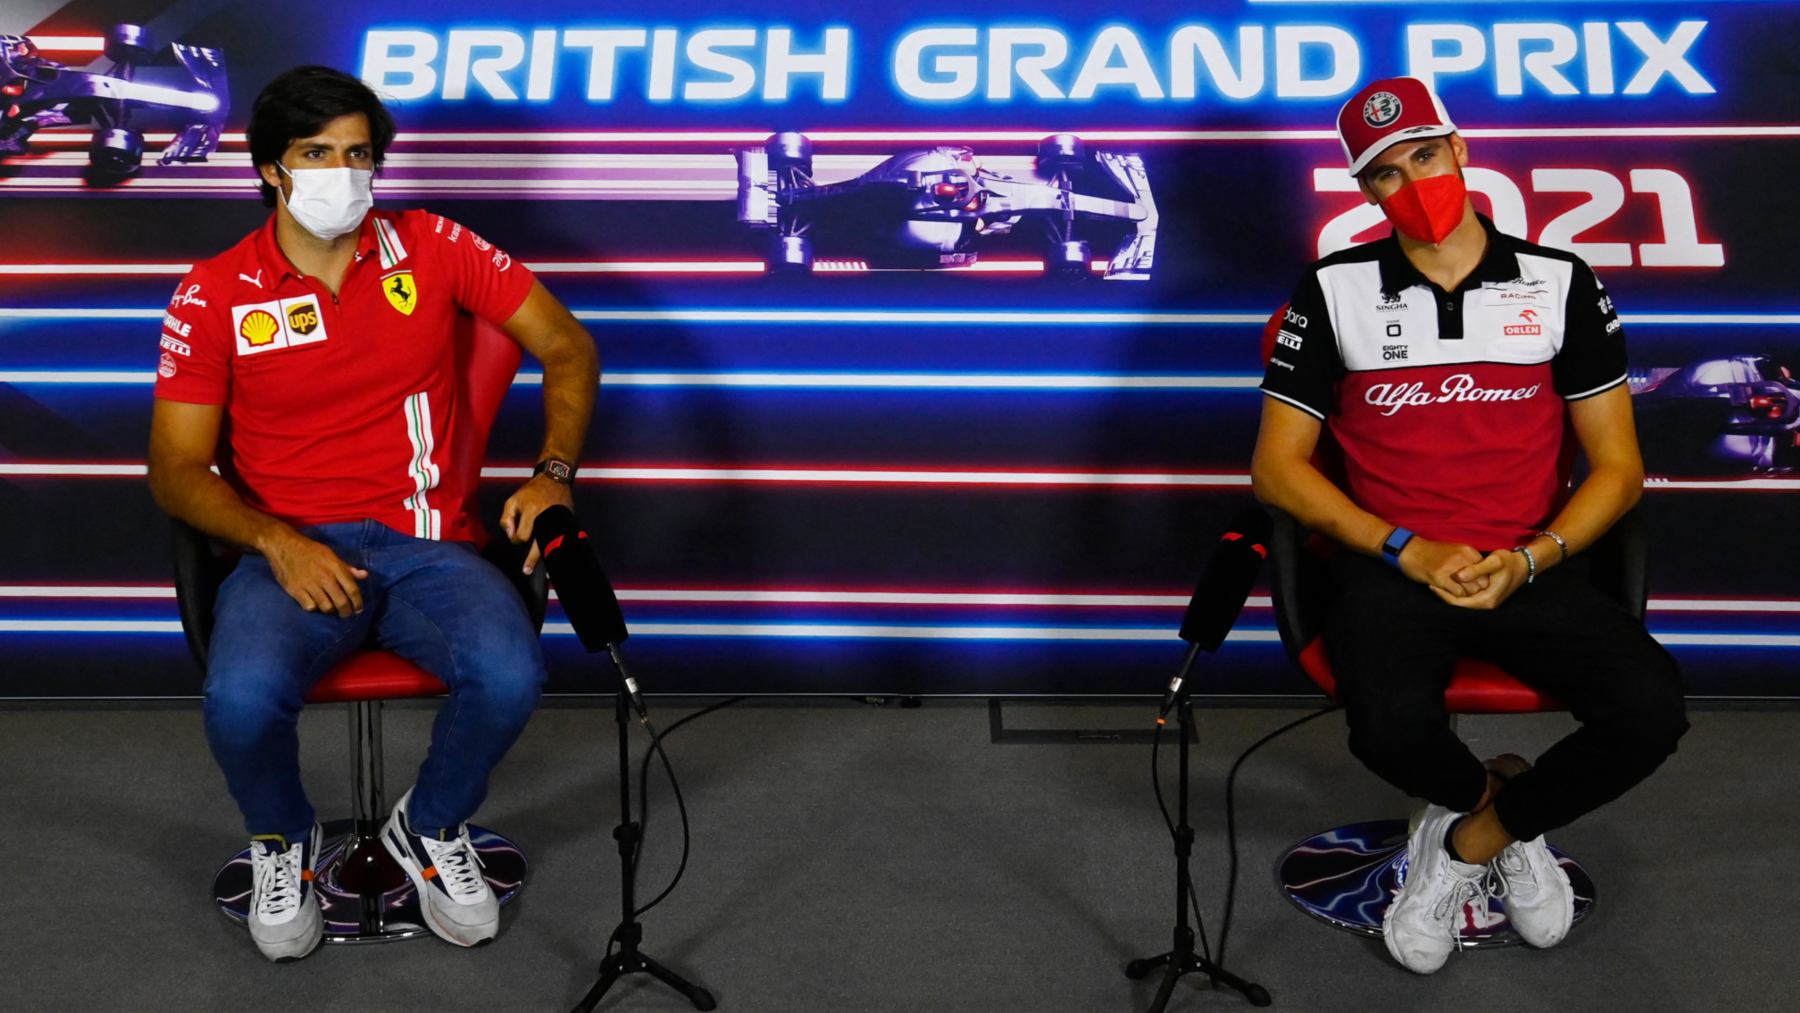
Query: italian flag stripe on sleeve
column 388, row 237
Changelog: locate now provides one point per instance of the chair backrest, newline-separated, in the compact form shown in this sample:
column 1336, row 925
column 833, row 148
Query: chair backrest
column 486, row 362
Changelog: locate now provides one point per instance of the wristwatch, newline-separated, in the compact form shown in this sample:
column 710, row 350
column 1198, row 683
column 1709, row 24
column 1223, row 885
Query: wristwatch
column 1395, row 544
column 557, row 469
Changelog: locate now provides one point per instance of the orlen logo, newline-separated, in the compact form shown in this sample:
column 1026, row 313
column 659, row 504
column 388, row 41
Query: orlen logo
column 1458, row 388
column 303, row 318
column 1529, row 327
column 259, row 328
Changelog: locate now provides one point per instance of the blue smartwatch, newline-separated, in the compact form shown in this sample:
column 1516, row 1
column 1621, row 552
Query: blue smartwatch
column 1395, row 544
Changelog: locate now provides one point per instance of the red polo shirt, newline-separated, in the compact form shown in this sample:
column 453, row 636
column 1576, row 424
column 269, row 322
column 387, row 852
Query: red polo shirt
column 338, row 408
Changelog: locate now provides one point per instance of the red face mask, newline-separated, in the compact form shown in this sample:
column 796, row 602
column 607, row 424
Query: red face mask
column 1428, row 209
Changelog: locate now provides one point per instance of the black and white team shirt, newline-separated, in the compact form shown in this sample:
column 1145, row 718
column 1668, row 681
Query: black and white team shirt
column 1449, row 406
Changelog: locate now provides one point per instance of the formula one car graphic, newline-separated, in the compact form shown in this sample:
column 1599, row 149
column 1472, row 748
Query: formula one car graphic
column 1737, row 412
column 146, row 81
column 935, row 207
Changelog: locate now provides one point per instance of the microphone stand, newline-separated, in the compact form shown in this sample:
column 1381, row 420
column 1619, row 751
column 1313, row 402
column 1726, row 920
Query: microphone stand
column 629, row 959
column 1182, row 958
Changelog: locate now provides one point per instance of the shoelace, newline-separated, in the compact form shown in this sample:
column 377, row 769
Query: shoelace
column 1495, row 881
column 458, row 864
column 1507, row 872
column 1464, row 892
column 277, row 875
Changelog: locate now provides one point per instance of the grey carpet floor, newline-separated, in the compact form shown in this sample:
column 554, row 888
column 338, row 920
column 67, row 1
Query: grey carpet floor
column 857, row 858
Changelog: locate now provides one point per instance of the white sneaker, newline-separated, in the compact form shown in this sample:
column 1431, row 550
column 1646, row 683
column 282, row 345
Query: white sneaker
column 284, row 909
column 454, row 899
column 1540, row 903
column 1421, row 925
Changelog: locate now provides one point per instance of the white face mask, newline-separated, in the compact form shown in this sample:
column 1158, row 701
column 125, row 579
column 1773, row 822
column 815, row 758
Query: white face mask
column 329, row 202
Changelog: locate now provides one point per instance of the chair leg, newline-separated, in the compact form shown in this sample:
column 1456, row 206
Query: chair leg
column 368, row 798
column 365, row 868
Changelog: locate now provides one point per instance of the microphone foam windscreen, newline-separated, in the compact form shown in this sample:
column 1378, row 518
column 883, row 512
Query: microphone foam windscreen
column 586, row 595
column 1226, row 581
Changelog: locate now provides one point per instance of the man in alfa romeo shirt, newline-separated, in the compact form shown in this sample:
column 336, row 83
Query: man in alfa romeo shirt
column 315, row 362
column 1457, row 370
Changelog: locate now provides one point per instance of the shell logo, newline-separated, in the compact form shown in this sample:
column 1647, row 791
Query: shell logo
column 259, row 328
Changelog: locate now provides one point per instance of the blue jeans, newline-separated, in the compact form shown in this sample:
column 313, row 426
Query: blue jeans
column 436, row 604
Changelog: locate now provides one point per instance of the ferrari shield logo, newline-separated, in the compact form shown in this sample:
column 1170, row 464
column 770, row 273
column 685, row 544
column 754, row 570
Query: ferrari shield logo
column 401, row 293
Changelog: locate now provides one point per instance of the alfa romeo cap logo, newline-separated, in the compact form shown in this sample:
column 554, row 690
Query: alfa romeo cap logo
column 1381, row 109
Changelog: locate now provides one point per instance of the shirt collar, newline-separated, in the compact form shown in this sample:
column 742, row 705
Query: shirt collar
column 268, row 250
column 1499, row 262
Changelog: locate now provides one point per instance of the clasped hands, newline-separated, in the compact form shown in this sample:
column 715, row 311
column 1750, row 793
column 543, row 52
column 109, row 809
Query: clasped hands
column 1462, row 576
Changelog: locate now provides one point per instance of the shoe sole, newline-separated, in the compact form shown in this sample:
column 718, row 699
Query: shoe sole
column 403, row 855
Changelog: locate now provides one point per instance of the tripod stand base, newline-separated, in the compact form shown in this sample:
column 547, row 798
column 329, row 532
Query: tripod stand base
column 632, row 962
column 1178, row 963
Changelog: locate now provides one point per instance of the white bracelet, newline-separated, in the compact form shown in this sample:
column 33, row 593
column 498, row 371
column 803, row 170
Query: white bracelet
column 1558, row 539
column 1530, row 562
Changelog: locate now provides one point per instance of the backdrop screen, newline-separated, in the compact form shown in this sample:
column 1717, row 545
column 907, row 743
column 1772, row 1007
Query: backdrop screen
column 842, row 449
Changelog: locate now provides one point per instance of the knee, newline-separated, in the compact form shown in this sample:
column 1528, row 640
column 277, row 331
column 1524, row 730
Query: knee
column 1659, row 720
column 509, row 688
column 1653, row 718
column 242, row 708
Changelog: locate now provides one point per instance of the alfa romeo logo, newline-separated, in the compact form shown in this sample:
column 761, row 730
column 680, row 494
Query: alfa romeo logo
column 1381, row 109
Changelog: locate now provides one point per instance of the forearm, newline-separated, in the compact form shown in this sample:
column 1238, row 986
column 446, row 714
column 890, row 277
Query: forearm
column 1299, row 489
column 571, row 381
column 195, row 494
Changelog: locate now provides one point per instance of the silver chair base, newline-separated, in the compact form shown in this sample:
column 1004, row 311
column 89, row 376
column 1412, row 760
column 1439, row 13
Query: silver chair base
column 1347, row 876
column 364, row 896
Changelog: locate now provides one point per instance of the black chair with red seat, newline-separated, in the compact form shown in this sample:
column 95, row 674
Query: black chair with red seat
column 364, row 895
column 1346, row 876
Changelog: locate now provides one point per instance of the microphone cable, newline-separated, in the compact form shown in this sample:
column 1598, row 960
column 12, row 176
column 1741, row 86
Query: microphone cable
column 656, row 746
column 1231, row 816
column 1231, row 868
column 656, row 738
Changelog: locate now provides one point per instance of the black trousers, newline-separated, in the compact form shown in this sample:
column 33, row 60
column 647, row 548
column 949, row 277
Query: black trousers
column 1393, row 645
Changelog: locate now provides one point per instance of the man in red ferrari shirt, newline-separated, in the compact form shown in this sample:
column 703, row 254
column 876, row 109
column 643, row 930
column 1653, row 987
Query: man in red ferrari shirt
column 314, row 362
column 1452, row 363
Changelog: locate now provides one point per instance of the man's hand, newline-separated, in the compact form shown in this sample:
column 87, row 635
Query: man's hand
column 1504, row 571
column 313, row 575
column 1445, row 567
column 522, row 508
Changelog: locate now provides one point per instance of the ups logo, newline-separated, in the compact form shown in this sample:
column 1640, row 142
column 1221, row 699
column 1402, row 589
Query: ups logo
column 303, row 319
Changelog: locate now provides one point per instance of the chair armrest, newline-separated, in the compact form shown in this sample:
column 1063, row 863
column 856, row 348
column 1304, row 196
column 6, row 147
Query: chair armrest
column 201, row 565
column 1297, row 584
column 533, row 587
column 1619, row 563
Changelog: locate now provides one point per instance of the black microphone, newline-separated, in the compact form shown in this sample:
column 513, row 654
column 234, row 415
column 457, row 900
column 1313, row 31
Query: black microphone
column 586, row 595
column 1223, row 589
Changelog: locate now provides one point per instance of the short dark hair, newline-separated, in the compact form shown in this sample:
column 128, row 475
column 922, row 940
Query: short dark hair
column 299, row 103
